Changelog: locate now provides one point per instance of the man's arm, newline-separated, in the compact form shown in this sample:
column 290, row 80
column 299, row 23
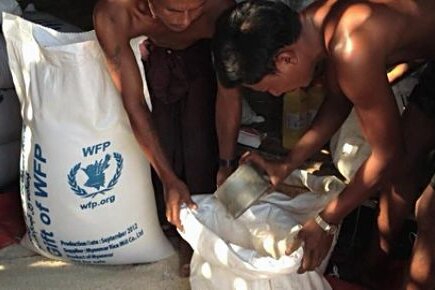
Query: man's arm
column 228, row 114
column 379, row 118
column 361, row 76
column 330, row 116
column 114, row 29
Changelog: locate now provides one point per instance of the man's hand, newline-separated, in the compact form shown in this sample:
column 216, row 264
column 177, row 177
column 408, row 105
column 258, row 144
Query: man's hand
column 277, row 169
column 176, row 193
column 316, row 244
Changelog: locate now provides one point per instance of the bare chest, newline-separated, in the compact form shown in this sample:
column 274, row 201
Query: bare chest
column 164, row 37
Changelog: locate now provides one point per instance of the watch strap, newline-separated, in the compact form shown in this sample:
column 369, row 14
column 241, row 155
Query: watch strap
column 228, row 163
column 328, row 228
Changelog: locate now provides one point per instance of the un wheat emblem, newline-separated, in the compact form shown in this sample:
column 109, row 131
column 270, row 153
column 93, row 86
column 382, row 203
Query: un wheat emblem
column 96, row 176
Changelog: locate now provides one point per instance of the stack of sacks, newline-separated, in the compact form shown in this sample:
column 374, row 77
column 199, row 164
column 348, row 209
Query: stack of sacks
column 10, row 120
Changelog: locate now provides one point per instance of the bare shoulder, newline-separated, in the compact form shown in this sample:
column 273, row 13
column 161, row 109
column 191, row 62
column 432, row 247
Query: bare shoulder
column 123, row 18
column 357, row 50
column 112, row 22
column 110, row 13
column 356, row 34
column 108, row 8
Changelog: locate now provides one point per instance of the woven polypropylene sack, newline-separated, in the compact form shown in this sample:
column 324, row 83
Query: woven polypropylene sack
column 85, row 183
column 227, row 254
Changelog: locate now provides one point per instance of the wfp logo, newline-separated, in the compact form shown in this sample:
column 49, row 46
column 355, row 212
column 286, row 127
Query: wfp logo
column 93, row 176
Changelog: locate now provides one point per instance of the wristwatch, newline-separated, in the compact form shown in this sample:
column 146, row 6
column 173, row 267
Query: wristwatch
column 328, row 228
column 228, row 163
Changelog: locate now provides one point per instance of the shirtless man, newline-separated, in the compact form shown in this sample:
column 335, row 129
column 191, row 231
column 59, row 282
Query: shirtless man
column 175, row 28
column 268, row 47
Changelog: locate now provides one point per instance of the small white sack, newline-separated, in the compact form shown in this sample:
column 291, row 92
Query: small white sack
column 85, row 183
column 224, row 251
column 249, row 116
column 349, row 148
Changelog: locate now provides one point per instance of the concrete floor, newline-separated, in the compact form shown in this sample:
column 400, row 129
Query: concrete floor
column 21, row 269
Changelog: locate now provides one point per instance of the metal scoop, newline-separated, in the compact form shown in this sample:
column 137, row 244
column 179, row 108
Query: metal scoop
column 246, row 186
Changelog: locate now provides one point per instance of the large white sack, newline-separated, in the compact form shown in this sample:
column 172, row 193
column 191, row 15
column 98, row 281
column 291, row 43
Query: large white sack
column 10, row 117
column 9, row 162
column 85, row 183
column 224, row 248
